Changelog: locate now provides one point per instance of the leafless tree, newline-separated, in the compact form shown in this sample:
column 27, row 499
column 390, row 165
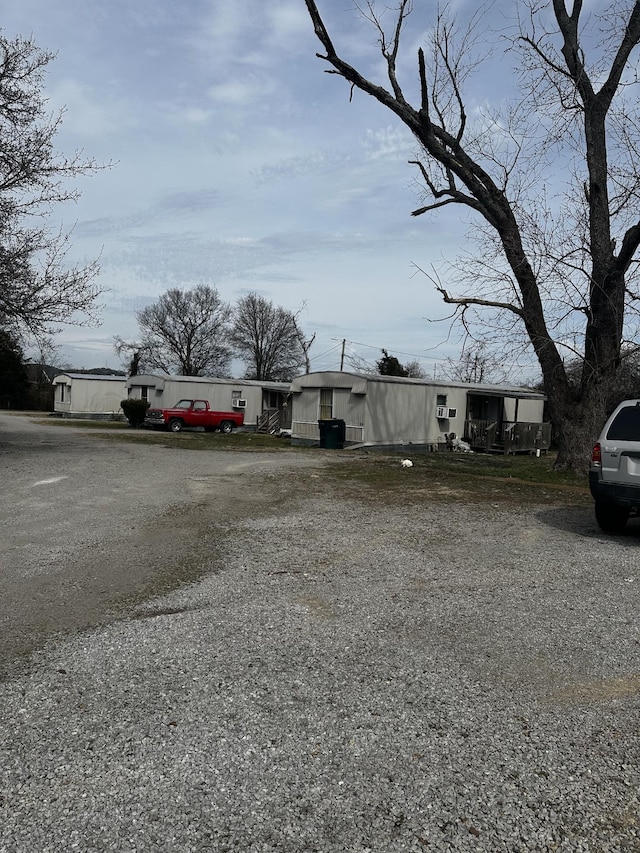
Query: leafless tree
column 185, row 332
column 133, row 355
column 551, row 182
column 415, row 370
column 37, row 287
column 476, row 364
column 268, row 339
column 306, row 344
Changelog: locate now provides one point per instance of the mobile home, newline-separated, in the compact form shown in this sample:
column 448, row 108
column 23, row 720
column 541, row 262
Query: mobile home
column 265, row 404
column 89, row 395
column 388, row 411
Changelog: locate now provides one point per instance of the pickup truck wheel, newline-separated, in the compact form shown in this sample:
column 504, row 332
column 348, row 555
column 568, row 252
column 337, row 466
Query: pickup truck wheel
column 226, row 427
column 611, row 518
column 175, row 425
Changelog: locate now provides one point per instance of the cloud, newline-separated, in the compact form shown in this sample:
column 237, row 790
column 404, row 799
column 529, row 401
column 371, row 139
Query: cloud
column 241, row 92
column 85, row 113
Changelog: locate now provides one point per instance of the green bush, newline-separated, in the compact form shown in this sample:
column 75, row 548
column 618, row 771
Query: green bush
column 134, row 411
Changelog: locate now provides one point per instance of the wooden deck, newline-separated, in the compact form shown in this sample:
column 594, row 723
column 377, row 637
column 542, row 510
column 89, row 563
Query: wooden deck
column 508, row 437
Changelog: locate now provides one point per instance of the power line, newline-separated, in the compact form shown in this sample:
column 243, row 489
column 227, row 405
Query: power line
column 399, row 352
column 431, row 357
column 322, row 355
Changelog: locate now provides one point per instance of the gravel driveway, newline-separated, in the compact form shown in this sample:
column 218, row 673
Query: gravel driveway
column 334, row 674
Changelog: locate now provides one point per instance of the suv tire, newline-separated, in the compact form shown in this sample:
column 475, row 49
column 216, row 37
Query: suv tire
column 611, row 518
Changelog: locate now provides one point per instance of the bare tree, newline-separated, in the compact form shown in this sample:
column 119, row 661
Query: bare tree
column 559, row 248
column 185, row 331
column 306, row 344
column 133, row 355
column 415, row 370
column 476, row 364
column 268, row 339
column 37, row 287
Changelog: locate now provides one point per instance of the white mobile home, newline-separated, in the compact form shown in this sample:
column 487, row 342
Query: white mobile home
column 389, row 411
column 89, row 395
column 263, row 403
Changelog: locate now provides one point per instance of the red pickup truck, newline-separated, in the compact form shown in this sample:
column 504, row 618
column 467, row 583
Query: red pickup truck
column 193, row 413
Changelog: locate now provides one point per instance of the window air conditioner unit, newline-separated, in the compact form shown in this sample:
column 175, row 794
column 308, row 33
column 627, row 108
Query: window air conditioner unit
column 239, row 404
column 445, row 412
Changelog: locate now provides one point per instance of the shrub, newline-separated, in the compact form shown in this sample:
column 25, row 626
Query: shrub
column 134, row 411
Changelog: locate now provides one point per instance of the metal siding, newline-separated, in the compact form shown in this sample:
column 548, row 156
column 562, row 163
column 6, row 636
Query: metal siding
column 102, row 396
column 395, row 413
column 305, row 405
column 95, row 396
column 342, row 406
column 530, row 411
column 407, row 413
column 510, row 409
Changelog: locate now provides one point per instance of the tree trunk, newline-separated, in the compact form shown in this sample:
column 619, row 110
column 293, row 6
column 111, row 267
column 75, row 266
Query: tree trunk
column 577, row 421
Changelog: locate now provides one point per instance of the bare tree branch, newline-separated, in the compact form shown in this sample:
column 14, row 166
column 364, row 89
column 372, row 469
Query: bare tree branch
column 38, row 289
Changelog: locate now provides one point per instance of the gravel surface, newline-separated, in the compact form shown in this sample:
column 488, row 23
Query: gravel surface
column 336, row 675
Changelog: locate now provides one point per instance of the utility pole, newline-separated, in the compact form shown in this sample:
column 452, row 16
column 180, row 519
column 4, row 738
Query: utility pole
column 344, row 341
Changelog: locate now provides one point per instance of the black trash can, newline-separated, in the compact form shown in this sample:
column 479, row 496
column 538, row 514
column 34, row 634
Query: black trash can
column 332, row 433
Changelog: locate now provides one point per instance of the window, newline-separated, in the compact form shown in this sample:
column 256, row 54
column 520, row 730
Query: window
column 326, row 404
column 235, row 396
column 626, row 426
column 441, row 400
column 144, row 392
column 64, row 393
column 199, row 406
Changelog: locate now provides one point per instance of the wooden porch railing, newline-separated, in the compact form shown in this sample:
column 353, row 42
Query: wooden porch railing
column 269, row 421
column 511, row 438
column 481, row 435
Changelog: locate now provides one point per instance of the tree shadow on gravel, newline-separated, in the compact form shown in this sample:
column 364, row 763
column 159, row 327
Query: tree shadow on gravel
column 581, row 521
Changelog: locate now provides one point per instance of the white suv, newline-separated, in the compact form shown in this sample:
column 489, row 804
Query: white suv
column 614, row 475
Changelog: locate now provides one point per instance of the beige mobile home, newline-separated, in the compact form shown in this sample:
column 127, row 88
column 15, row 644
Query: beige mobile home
column 389, row 411
column 89, row 395
column 265, row 404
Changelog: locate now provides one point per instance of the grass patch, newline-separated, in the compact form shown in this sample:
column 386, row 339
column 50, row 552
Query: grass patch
column 81, row 423
column 474, row 477
column 185, row 440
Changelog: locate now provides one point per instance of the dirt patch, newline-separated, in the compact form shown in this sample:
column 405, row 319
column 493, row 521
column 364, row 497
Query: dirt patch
column 94, row 528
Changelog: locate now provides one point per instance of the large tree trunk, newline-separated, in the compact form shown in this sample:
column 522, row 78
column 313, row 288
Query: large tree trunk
column 577, row 419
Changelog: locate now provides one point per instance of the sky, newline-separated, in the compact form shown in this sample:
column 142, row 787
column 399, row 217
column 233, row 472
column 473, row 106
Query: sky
column 239, row 163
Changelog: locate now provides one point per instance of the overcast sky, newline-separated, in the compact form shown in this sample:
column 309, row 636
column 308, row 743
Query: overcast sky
column 239, row 163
